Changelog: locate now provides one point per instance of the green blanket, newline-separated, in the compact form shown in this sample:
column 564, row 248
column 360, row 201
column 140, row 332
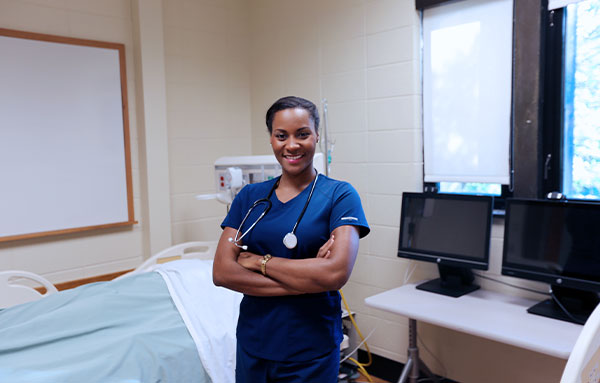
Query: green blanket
column 121, row 331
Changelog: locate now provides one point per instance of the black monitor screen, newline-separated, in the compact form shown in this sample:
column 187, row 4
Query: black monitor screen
column 446, row 228
column 545, row 240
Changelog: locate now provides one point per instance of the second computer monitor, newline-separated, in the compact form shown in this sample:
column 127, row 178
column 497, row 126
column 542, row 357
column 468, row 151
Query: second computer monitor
column 557, row 242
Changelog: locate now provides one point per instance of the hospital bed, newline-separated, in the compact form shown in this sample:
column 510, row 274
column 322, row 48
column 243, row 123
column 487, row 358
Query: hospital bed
column 170, row 325
column 17, row 287
column 583, row 365
column 187, row 250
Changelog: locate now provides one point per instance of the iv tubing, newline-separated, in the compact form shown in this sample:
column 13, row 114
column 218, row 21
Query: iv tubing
column 325, row 138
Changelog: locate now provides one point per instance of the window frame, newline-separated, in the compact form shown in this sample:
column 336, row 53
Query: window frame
column 555, row 117
column 552, row 108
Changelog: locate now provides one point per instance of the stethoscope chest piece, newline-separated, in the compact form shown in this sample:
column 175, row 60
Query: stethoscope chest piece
column 290, row 241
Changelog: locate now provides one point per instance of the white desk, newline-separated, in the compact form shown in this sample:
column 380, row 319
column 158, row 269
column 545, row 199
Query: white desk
column 483, row 313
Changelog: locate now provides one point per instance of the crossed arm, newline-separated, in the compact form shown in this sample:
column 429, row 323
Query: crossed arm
column 329, row 270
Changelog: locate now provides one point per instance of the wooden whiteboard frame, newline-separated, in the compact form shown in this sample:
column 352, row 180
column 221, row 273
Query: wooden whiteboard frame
column 127, row 184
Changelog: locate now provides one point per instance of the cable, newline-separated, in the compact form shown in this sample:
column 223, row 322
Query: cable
column 361, row 366
column 432, row 355
column 358, row 346
column 511, row 285
column 362, row 369
column 412, row 269
column 564, row 309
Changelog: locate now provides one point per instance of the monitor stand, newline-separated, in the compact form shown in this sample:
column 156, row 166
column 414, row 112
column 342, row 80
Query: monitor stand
column 578, row 303
column 453, row 282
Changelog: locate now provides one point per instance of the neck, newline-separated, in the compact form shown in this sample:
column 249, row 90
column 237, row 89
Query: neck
column 299, row 181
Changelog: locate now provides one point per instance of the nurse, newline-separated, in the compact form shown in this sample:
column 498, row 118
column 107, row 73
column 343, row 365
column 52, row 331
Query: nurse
column 289, row 327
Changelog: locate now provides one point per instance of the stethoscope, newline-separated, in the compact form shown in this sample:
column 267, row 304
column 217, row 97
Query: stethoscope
column 289, row 240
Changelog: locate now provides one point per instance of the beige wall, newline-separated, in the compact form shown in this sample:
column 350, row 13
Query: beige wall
column 363, row 57
column 208, row 105
column 226, row 61
column 176, row 133
column 76, row 256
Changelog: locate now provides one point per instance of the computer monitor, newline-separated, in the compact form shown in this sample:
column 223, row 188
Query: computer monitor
column 557, row 242
column 451, row 230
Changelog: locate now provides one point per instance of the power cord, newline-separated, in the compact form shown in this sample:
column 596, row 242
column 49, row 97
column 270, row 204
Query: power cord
column 358, row 345
column 564, row 309
column 409, row 272
column 551, row 294
column 432, row 355
column 361, row 366
column 510, row 284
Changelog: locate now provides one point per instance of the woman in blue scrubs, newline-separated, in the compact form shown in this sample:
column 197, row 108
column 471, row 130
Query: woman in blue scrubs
column 289, row 328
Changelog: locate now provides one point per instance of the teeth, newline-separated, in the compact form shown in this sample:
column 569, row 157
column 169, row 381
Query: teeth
column 293, row 157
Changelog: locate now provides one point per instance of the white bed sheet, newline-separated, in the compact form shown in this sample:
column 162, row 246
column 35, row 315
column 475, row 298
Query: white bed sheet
column 209, row 312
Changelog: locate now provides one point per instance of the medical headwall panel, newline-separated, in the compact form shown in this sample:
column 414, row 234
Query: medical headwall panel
column 467, row 78
column 64, row 136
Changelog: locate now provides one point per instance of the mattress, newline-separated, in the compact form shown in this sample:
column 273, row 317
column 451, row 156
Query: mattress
column 128, row 330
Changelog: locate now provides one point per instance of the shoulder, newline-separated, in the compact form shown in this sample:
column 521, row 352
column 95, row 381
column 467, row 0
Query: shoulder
column 346, row 206
column 335, row 188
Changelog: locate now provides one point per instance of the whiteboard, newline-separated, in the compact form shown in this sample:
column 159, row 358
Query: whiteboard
column 64, row 140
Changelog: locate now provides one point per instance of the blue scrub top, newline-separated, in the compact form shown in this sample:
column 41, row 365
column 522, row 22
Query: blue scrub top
column 303, row 327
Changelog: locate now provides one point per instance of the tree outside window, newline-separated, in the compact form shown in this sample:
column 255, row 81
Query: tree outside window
column 581, row 135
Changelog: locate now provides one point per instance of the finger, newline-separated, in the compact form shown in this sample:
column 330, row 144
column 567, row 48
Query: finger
column 325, row 249
column 329, row 243
column 322, row 250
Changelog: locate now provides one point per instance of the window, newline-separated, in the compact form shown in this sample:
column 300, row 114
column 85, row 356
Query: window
column 581, row 103
column 573, row 101
column 467, row 77
column 556, row 104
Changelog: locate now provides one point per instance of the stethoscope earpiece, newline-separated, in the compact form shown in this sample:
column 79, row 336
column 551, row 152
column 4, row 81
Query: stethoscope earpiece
column 243, row 247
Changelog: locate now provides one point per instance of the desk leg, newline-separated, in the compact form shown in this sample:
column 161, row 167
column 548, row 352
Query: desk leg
column 414, row 365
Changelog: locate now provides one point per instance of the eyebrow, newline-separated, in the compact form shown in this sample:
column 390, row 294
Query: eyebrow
column 275, row 130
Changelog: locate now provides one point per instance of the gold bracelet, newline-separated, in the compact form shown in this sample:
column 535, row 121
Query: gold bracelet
column 263, row 264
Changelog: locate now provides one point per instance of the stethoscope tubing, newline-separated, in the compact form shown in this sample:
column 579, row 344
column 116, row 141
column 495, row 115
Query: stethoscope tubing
column 254, row 205
column 267, row 200
column 305, row 205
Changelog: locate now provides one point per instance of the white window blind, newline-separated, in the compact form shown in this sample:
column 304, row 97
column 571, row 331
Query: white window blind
column 467, row 77
column 554, row 4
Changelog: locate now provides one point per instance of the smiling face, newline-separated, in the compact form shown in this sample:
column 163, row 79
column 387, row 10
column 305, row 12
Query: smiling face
column 294, row 140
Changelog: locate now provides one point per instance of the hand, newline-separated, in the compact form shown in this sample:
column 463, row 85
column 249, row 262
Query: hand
column 249, row 261
column 324, row 251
